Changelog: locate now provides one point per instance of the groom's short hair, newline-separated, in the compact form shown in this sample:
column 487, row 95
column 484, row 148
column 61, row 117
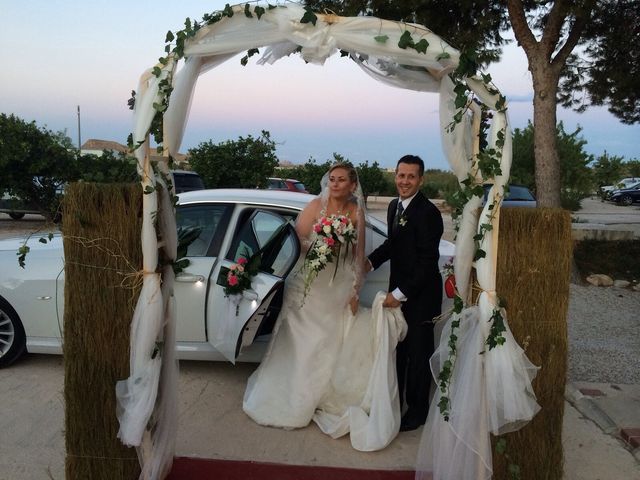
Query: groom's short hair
column 412, row 160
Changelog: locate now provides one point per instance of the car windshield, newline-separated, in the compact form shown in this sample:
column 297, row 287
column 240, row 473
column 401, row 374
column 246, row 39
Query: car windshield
column 519, row 193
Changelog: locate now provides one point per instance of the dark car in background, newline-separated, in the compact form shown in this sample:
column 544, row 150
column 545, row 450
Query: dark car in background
column 186, row 181
column 515, row 196
column 286, row 184
column 626, row 196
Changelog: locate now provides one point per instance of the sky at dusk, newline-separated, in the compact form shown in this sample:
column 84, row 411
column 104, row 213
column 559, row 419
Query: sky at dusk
column 61, row 54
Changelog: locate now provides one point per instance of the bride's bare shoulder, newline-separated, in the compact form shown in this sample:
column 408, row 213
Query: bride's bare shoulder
column 314, row 206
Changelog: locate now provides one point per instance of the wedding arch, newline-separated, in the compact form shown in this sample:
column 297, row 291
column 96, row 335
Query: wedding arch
column 400, row 54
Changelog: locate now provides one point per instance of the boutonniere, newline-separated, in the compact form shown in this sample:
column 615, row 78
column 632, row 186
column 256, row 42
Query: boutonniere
column 403, row 220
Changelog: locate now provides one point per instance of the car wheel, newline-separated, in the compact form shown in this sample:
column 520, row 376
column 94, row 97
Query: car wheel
column 12, row 337
column 16, row 216
column 626, row 200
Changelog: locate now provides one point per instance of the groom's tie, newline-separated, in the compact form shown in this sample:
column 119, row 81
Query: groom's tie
column 396, row 219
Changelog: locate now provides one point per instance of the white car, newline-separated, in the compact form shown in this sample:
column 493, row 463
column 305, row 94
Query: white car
column 232, row 223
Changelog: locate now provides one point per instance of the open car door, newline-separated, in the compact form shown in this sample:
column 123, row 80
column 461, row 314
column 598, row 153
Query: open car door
column 234, row 322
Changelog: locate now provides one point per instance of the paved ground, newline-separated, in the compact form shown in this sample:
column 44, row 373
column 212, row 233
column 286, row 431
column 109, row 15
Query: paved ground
column 212, row 425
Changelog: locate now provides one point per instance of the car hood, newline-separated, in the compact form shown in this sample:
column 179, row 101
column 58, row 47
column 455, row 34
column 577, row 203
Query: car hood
column 33, row 242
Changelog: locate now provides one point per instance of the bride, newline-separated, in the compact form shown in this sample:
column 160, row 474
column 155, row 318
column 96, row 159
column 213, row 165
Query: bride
column 331, row 360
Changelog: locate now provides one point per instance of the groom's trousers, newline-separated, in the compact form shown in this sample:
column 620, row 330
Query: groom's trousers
column 412, row 363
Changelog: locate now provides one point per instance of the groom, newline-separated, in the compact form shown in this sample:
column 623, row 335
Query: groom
column 414, row 231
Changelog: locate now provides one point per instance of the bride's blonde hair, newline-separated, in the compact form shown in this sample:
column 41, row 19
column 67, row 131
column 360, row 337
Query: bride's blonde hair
column 351, row 172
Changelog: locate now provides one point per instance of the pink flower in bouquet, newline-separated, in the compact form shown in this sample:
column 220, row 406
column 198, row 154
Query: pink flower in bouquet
column 233, row 280
column 317, row 228
column 240, row 268
column 330, row 241
column 242, row 261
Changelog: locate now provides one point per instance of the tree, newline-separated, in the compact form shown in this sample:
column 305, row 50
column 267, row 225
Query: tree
column 107, row 168
column 633, row 168
column 607, row 72
column 576, row 180
column 548, row 32
column 371, row 178
column 35, row 165
column 608, row 169
column 243, row 163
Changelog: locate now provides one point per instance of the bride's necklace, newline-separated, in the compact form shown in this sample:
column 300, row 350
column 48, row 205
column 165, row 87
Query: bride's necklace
column 339, row 211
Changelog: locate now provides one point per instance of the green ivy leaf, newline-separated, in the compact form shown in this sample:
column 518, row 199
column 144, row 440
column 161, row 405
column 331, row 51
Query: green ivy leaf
column 271, row 7
column 228, row 11
column 381, row 38
column 163, row 60
column 479, row 254
column 443, row 56
column 259, row 11
column 344, row 53
column 156, row 71
column 42, row 240
column 309, row 17
column 421, row 46
column 148, row 190
column 458, row 304
column 50, row 236
column 244, row 60
column 406, row 40
column 169, row 38
column 247, row 11
column 501, row 446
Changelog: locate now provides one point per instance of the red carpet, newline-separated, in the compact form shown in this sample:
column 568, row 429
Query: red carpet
column 185, row 468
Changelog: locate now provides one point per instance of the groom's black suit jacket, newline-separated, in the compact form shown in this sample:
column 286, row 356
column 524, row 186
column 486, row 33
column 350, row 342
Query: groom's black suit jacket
column 413, row 252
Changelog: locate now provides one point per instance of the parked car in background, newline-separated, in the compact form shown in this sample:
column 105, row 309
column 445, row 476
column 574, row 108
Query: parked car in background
column 286, row 184
column 516, row 196
column 626, row 196
column 186, row 181
column 15, row 207
column 607, row 190
column 231, row 223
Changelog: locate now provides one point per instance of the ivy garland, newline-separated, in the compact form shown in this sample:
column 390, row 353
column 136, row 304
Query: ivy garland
column 487, row 162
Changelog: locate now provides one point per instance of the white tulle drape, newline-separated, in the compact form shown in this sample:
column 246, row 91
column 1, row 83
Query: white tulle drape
column 490, row 389
column 479, row 403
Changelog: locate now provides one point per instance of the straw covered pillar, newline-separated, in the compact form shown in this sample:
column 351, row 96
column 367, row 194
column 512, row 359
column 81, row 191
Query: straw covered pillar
column 101, row 225
column 534, row 268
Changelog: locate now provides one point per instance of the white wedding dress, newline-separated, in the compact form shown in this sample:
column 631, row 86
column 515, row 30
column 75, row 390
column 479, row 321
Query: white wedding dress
column 324, row 364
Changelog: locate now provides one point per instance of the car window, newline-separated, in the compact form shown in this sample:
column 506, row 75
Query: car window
column 300, row 186
column 207, row 217
column 254, row 233
column 517, row 193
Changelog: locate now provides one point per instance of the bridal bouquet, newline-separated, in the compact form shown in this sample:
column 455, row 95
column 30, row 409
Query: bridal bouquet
column 329, row 234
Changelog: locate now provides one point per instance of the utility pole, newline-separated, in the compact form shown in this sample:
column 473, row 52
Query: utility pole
column 79, row 144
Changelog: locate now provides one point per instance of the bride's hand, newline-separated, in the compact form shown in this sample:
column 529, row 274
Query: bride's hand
column 353, row 303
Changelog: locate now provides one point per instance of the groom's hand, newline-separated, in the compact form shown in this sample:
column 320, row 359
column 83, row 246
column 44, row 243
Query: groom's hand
column 391, row 302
